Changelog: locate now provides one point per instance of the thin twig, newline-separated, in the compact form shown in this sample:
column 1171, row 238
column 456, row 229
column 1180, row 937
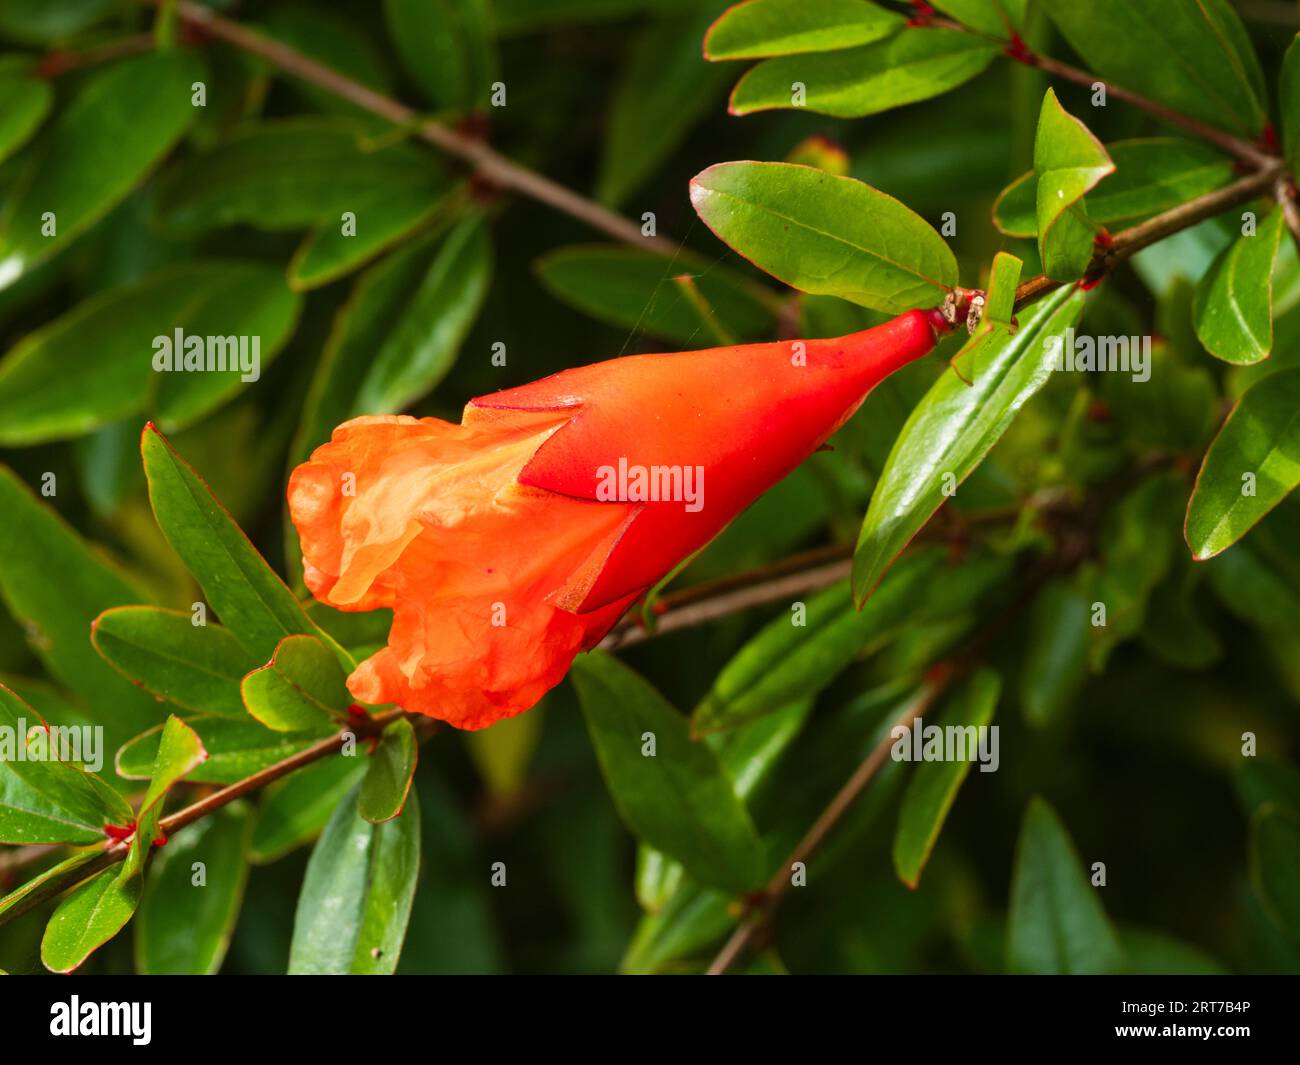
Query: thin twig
column 488, row 163
column 803, row 851
column 115, row 851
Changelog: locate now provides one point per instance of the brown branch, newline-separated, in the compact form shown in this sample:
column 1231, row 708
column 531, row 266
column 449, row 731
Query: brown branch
column 488, row 163
column 1128, row 242
column 60, row 61
column 803, row 851
column 115, row 851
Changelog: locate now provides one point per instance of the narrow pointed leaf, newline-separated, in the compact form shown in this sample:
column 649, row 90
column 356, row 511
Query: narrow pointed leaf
column 236, row 749
column 88, row 918
column 389, row 773
column 356, row 898
column 197, row 667
column 761, row 28
column 1057, row 923
column 1233, row 309
column 25, row 100
column 1069, row 162
column 180, row 752
column 1252, row 465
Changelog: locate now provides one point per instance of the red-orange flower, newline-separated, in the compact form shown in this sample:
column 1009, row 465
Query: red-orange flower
column 512, row 541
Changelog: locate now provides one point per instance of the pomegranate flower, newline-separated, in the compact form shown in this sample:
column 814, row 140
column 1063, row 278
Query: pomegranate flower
column 510, row 542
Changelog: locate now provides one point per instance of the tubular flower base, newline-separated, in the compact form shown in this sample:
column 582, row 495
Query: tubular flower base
column 507, row 544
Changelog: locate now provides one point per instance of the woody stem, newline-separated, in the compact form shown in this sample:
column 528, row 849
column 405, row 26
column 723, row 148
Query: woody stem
column 486, row 161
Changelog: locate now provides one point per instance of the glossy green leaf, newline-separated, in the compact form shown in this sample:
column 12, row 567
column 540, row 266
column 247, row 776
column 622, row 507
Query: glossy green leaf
column 330, row 251
column 25, row 100
column 994, row 17
column 1057, row 923
column 301, row 689
column 1194, row 57
column 633, row 289
column 447, row 47
column 955, row 426
column 1253, row 464
column 105, row 359
column 933, row 787
column 197, row 667
column 663, row 91
column 389, row 773
column 295, row 809
column 757, row 29
column 42, row 799
column 800, row 652
column 187, row 914
column 425, row 341
column 252, row 601
column 236, row 749
column 1275, row 862
column 288, row 174
column 1288, row 93
column 1152, row 174
column 915, row 64
column 1055, row 662
column 57, row 584
column 122, row 121
column 679, row 800
column 78, row 860
column 825, row 234
column 1233, row 310
column 180, row 752
column 356, row 898
column 88, row 918
column 1068, row 162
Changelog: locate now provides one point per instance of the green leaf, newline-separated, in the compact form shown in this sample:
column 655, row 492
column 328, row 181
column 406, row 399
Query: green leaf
column 1057, row 923
column 180, row 752
column 252, row 601
column 761, row 28
column 1251, row 466
column 328, row 252
column 1152, row 175
column 1288, row 94
column 934, row 785
column 288, row 174
column 88, row 918
column 77, row 860
column 356, row 898
column 994, row 17
column 301, row 689
column 1275, row 863
column 236, row 749
column 425, row 341
column 796, row 656
column 955, row 426
column 388, row 776
column 295, row 809
column 447, row 47
column 1233, row 310
column 663, row 91
column 913, row 65
column 51, row 389
column 1055, row 663
column 197, row 667
column 824, row 234
column 186, row 914
column 42, row 799
column 51, row 21
column 338, row 42
column 632, row 289
column 25, row 100
column 679, row 800
column 1195, row 58
column 1069, row 162
column 35, row 545
column 120, row 124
